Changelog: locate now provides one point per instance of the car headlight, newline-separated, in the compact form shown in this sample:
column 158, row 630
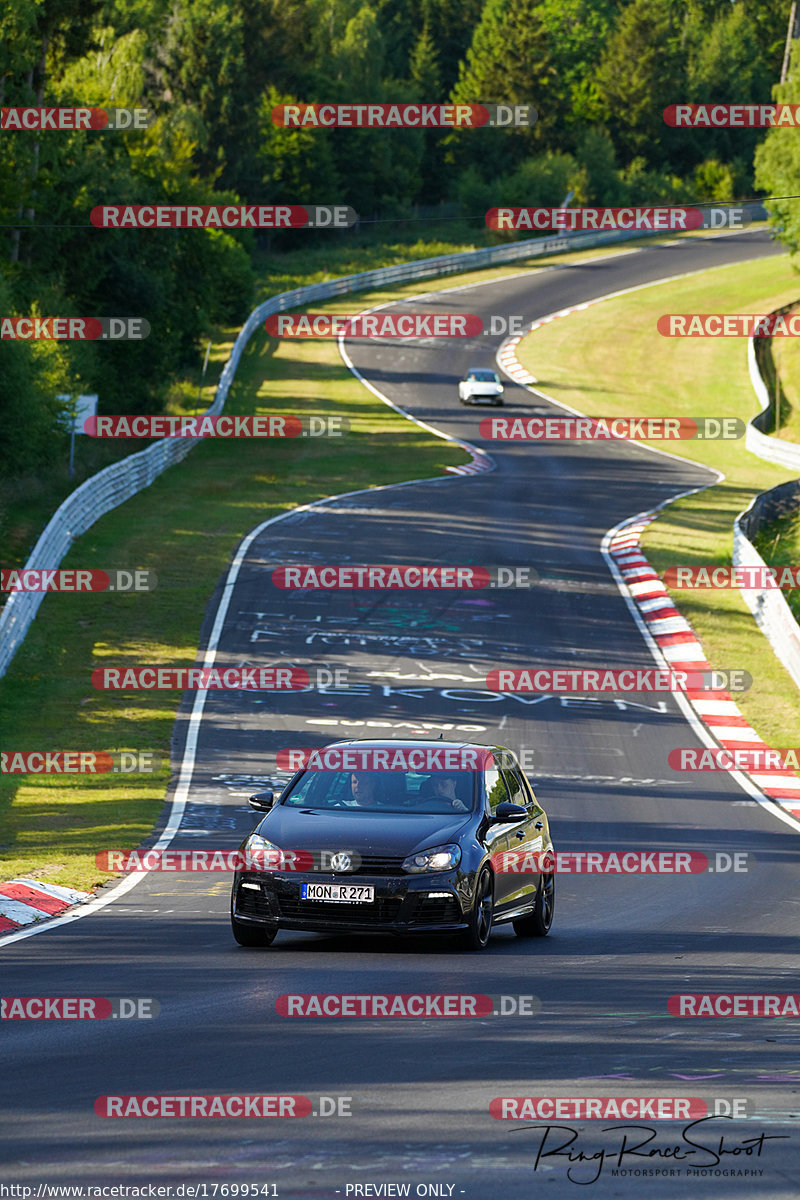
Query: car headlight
column 440, row 858
column 261, row 855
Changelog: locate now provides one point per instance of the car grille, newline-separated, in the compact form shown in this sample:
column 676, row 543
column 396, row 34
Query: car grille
column 379, row 911
column 376, row 864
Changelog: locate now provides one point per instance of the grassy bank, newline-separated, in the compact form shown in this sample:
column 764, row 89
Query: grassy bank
column 610, row 360
column 185, row 527
column 786, row 359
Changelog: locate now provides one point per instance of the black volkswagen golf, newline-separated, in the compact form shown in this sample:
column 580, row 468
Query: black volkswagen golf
column 409, row 837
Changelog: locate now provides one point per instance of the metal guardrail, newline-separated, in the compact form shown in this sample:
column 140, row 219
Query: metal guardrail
column 769, row 606
column 763, row 445
column 773, row 615
column 117, row 483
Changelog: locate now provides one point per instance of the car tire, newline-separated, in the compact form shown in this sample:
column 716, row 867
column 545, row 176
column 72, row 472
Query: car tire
column 539, row 922
column 253, row 936
column 479, row 930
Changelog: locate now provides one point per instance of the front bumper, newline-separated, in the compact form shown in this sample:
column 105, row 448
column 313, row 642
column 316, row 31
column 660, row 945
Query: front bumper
column 402, row 904
column 482, row 397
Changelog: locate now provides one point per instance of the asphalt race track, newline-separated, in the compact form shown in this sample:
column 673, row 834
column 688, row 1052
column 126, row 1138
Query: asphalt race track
column 620, row 947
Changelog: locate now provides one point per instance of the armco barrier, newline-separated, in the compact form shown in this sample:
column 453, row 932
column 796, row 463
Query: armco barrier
column 768, row 605
column 118, row 482
column 773, row 449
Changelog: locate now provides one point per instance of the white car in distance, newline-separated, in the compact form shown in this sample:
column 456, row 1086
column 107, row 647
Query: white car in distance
column 480, row 385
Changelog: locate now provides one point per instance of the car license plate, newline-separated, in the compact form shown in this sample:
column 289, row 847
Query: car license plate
column 342, row 893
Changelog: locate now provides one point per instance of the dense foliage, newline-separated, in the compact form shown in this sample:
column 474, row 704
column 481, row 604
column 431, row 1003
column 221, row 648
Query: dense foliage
column 599, row 72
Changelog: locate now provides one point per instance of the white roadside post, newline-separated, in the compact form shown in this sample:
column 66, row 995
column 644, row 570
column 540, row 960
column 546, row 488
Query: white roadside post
column 83, row 408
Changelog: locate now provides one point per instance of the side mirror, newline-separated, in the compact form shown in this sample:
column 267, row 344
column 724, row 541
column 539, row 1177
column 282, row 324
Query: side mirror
column 262, row 801
column 509, row 812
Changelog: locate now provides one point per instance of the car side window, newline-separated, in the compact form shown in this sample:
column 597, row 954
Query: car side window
column 527, row 789
column 496, row 791
column 518, row 786
column 516, row 789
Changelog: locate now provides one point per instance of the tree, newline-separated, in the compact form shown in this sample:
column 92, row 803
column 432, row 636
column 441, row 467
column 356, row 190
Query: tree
column 509, row 62
column 32, row 374
column 577, row 32
column 296, row 165
column 599, row 182
column 426, row 87
column 204, row 65
column 724, row 64
column 777, row 163
column 424, row 68
column 451, row 24
column 642, row 71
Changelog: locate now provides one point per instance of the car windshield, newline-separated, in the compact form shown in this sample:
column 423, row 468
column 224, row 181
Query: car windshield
column 483, row 376
column 401, row 792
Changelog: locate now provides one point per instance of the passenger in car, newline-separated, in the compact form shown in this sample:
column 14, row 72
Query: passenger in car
column 368, row 790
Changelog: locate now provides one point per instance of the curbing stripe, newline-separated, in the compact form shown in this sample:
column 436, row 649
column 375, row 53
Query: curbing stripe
column 23, row 901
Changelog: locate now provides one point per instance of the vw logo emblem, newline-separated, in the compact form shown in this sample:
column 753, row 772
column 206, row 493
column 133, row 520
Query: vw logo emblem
column 341, row 861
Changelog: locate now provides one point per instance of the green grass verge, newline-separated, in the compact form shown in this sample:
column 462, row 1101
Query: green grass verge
column 27, row 503
column 610, row 361
column 185, row 527
column 778, row 543
column 786, row 359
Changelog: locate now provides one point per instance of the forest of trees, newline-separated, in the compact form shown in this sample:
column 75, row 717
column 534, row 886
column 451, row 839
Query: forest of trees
column 599, row 72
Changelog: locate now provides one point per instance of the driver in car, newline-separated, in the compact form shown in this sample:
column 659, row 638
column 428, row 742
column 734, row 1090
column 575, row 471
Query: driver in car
column 442, row 787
